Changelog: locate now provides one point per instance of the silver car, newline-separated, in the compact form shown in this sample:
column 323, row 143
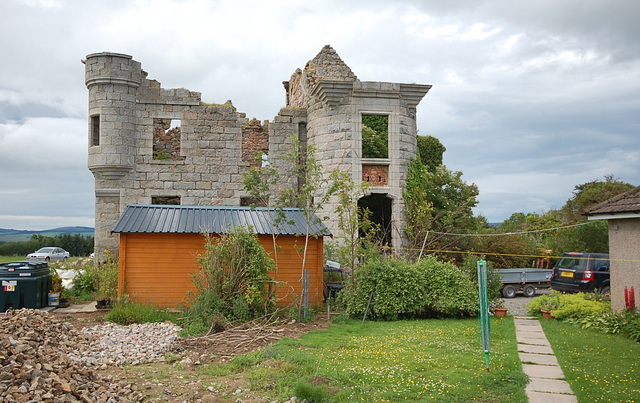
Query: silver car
column 49, row 254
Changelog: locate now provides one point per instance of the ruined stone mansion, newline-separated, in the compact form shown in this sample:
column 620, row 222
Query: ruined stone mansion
column 150, row 145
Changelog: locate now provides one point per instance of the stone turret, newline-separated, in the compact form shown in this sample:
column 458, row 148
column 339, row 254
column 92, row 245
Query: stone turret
column 112, row 80
column 336, row 102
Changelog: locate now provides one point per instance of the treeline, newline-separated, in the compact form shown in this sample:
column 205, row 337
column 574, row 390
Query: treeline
column 75, row 244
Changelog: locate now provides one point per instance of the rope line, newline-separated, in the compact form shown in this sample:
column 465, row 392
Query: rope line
column 512, row 254
column 514, row 233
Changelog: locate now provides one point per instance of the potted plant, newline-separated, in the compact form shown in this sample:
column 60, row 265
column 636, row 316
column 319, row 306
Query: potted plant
column 498, row 308
column 56, row 288
column 546, row 308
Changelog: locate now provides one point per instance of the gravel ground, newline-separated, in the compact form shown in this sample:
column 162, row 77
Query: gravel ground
column 518, row 306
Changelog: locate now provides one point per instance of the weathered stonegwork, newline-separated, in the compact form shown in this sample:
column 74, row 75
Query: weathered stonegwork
column 204, row 159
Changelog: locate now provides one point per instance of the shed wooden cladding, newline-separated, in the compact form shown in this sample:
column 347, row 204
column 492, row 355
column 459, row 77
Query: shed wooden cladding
column 156, row 268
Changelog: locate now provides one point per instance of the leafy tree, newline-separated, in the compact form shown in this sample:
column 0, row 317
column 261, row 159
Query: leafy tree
column 438, row 201
column 591, row 193
column 430, row 150
column 308, row 196
column 259, row 182
column 354, row 222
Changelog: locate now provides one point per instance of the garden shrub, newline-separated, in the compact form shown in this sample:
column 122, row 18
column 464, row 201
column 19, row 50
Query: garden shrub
column 626, row 323
column 577, row 306
column 397, row 290
column 450, row 292
column 231, row 282
column 570, row 306
column 548, row 302
column 428, row 289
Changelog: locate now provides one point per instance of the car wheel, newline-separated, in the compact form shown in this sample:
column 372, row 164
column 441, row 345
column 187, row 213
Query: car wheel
column 605, row 290
column 65, row 258
column 509, row 291
column 47, row 259
column 529, row 291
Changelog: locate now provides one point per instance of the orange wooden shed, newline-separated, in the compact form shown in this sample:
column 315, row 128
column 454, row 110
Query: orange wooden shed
column 159, row 246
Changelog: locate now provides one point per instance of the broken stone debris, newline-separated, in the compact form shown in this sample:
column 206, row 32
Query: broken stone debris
column 35, row 363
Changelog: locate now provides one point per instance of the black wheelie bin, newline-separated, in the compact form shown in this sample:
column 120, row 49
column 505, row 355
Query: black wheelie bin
column 24, row 284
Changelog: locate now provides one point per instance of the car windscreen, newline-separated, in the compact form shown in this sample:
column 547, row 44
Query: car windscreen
column 572, row 263
column 46, row 250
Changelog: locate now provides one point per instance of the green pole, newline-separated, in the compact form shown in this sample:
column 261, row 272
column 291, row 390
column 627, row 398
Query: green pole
column 485, row 324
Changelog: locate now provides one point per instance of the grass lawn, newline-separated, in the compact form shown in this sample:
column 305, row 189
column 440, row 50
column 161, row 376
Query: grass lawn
column 600, row 367
column 421, row 360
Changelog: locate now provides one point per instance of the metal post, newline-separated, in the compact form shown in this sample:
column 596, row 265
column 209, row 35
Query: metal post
column 485, row 324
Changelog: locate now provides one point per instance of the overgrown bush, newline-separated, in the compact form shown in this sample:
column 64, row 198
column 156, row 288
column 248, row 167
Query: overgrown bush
column 450, row 292
column 107, row 279
column 231, row 283
column 84, row 282
column 428, row 289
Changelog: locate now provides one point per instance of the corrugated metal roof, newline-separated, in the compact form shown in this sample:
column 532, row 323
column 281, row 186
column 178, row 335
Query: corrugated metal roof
column 213, row 220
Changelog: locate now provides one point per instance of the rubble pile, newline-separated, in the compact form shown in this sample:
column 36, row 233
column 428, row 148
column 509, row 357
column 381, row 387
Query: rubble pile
column 36, row 363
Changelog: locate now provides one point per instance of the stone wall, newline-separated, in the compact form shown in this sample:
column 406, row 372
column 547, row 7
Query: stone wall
column 202, row 161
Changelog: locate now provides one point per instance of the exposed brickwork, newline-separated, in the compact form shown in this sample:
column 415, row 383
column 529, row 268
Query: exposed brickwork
column 166, row 140
column 375, row 175
column 255, row 142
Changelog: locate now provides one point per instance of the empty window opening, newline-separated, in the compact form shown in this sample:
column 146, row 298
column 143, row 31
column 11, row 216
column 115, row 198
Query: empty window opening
column 375, row 136
column 166, row 139
column 166, row 200
column 95, row 130
column 380, row 207
column 265, row 159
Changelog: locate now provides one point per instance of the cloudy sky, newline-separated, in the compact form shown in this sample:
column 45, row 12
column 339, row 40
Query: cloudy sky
column 529, row 98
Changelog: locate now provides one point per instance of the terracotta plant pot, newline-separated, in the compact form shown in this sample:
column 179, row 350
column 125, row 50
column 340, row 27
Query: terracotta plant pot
column 546, row 314
column 501, row 312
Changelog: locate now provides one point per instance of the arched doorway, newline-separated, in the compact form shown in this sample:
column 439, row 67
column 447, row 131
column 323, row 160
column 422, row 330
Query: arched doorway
column 380, row 207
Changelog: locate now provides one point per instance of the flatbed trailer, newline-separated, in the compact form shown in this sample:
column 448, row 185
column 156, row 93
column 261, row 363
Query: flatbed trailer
column 526, row 281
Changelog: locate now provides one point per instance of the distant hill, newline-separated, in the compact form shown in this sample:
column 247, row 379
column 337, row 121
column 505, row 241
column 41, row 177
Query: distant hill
column 16, row 235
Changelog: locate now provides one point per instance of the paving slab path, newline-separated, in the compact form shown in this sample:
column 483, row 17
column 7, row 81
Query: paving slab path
column 546, row 379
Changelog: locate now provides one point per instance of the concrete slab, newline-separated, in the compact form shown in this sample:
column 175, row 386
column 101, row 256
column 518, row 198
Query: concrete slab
column 530, row 348
column 537, row 341
column 88, row 307
column 529, row 328
column 540, row 359
column 531, row 333
column 541, row 397
column 543, row 371
column 549, row 386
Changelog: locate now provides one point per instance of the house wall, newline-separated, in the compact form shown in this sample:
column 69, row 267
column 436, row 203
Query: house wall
column 156, row 268
column 624, row 252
